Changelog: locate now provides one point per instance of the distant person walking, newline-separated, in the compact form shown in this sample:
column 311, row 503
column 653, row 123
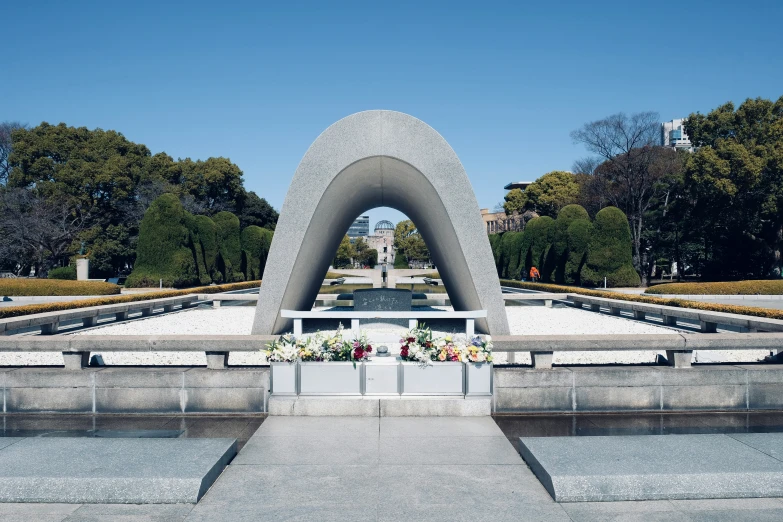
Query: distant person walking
column 534, row 274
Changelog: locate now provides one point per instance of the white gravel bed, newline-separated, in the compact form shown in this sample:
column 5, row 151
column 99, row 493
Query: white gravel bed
column 238, row 320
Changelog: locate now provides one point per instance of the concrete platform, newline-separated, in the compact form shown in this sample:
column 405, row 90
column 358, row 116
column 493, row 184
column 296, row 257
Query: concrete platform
column 380, row 469
column 121, row 471
column 393, row 406
column 657, row 467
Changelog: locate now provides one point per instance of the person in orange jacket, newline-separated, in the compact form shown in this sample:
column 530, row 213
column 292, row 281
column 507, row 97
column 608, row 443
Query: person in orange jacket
column 534, row 274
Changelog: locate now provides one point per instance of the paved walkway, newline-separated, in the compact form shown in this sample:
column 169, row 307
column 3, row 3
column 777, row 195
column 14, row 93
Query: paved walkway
column 368, row 469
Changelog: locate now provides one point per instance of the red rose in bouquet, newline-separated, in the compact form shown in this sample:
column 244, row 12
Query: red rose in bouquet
column 404, row 351
column 358, row 354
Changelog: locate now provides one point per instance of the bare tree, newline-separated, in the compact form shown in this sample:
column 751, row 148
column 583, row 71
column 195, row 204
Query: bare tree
column 6, row 128
column 586, row 165
column 632, row 170
column 40, row 229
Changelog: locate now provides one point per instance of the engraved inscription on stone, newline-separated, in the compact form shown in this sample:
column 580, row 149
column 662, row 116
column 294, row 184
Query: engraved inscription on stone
column 382, row 300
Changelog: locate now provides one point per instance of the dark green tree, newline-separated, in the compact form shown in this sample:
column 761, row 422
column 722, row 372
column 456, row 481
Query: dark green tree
column 344, row 256
column 253, row 210
column 409, row 243
column 107, row 183
column 215, row 183
column 545, row 196
column 734, row 188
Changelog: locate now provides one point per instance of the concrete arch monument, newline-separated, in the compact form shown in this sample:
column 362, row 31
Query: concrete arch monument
column 379, row 159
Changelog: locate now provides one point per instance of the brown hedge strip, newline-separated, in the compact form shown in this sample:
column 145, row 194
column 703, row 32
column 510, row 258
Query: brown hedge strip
column 16, row 311
column 760, row 287
column 681, row 303
column 59, row 287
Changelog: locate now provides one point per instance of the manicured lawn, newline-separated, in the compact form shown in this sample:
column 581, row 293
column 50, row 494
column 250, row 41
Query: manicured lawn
column 341, row 289
column 16, row 311
column 56, row 287
column 666, row 301
column 760, row 287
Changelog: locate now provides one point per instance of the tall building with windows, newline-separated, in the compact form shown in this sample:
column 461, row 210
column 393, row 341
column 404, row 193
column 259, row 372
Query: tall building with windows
column 673, row 135
column 360, row 227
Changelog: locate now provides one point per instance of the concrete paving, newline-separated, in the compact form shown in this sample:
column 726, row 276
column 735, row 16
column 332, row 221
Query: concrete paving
column 449, row 469
column 355, row 468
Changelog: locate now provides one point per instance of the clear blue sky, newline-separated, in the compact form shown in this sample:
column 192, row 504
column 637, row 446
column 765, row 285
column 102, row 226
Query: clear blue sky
column 503, row 82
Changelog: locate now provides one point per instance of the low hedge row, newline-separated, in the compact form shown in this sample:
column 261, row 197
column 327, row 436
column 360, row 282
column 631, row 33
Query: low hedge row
column 762, row 287
column 57, row 287
column 16, row 311
column 681, row 303
column 335, row 275
column 342, row 289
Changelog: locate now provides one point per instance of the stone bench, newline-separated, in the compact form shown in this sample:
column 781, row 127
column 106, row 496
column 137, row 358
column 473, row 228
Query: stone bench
column 412, row 316
column 76, row 350
column 708, row 320
column 541, row 296
column 679, row 348
column 49, row 322
column 216, row 299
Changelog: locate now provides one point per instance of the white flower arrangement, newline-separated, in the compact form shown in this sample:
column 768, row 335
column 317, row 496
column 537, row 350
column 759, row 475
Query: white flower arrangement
column 419, row 346
column 286, row 349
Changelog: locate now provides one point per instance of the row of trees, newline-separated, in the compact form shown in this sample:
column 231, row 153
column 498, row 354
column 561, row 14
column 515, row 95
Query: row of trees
column 357, row 253
column 409, row 245
column 716, row 212
column 183, row 249
column 63, row 188
column 569, row 249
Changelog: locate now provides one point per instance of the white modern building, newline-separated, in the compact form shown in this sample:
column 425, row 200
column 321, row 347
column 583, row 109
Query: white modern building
column 673, row 135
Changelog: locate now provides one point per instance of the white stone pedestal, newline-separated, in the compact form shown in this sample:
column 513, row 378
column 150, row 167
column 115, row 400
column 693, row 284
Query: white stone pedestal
column 82, row 269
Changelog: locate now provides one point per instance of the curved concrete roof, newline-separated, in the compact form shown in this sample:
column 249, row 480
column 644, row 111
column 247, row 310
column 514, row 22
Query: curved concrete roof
column 379, row 159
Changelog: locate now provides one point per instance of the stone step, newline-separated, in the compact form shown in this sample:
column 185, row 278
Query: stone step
column 391, row 406
column 113, row 471
column 657, row 467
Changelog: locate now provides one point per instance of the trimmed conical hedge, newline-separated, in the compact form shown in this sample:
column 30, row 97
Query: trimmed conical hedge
column 494, row 243
column 536, row 243
column 579, row 232
column 229, row 259
column 255, row 249
column 508, row 253
column 164, row 248
column 183, row 249
column 555, row 265
column 205, row 249
column 609, row 251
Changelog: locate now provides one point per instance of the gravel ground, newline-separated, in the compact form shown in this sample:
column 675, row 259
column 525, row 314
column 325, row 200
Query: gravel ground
column 237, row 320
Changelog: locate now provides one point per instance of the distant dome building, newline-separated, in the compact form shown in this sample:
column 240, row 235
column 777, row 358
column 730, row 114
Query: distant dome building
column 384, row 225
column 382, row 240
